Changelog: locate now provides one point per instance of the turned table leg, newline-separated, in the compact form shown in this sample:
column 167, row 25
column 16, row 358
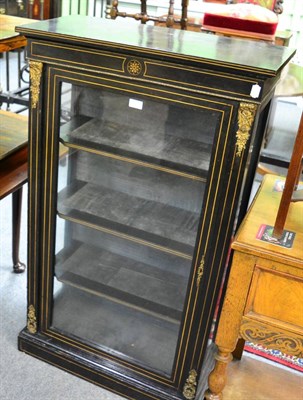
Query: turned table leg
column 18, row 266
column 217, row 378
column 230, row 322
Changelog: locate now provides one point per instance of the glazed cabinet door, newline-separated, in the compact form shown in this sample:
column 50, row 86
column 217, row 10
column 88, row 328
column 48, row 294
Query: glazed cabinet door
column 132, row 181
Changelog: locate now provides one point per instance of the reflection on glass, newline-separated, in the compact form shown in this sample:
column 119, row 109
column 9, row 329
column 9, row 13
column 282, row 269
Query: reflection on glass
column 130, row 194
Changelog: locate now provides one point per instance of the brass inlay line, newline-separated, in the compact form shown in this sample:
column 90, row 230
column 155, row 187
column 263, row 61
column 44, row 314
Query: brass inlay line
column 231, row 107
column 51, row 136
column 218, row 110
column 133, row 161
column 127, row 237
column 137, row 48
column 77, row 63
column 212, row 266
column 35, row 71
column 164, row 91
column 45, row 243
column 246, row 116
column 190, row 386
column 204, row 90
column 208, row 234
column 85, row 377
column 220, row 263
column 157, row 78
column 200, row 72
column 94, row 351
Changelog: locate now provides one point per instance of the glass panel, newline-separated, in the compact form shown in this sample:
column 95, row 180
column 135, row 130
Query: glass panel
column 131, row 182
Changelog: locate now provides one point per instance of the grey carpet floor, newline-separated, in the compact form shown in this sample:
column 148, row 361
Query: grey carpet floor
column 23, row 377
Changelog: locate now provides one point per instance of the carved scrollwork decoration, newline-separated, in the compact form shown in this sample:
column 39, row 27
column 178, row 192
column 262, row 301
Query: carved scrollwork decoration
column 31, row 319
column 288, row 343
column 35, row 71
column 246, row 115
column 190, row 386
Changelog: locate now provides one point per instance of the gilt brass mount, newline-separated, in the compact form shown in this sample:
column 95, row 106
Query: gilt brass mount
column 246, row 115
column 35, row 71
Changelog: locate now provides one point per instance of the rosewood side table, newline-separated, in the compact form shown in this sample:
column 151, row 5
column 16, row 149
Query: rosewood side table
column 263, row 302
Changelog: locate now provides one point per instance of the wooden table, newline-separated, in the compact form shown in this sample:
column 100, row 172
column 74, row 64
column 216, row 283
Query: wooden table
column 13, row 170
column 263, row 302
column 13, row 139
column 9, row 39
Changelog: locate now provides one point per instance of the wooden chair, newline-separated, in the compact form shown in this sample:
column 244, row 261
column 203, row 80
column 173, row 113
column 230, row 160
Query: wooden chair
column 217, row 21
column 169, row 20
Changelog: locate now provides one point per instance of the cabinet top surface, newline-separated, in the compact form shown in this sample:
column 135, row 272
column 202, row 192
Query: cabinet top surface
column 219, row 50
column 262, row 212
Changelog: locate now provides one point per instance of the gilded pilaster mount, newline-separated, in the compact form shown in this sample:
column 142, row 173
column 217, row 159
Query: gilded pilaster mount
column 190, row 386
column 35, row 71
column 246, row 116
column 31, row 319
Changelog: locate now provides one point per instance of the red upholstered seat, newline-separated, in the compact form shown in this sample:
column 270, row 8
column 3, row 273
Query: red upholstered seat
column 242, row 17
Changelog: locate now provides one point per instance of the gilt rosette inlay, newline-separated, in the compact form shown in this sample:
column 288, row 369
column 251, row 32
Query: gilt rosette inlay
column 35, row 71
column 287, row 342
column 134, row 67
column 246, row 116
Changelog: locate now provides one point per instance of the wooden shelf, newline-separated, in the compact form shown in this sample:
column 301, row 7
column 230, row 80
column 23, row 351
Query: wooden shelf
column 144, row 338
column 165, row 148
column 151, row 221
column 139, row 285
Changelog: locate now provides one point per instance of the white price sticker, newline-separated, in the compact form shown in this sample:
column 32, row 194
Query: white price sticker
column 138, row 104
column 255, row 91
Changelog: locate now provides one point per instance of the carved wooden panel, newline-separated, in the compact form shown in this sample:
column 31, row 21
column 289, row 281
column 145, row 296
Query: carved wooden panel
column 267, row 336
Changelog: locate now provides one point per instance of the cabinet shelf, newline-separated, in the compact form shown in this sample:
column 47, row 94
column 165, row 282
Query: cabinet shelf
column 154, row 222
column 123, row 280
column 169, row 150
column 131, row 332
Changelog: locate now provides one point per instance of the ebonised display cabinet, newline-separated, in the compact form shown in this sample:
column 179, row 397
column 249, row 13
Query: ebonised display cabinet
column 143, row 145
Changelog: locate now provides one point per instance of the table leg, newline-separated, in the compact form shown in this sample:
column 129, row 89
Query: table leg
column 230, row 321
column 18, row 266
column 217, row 378
column 237, row 353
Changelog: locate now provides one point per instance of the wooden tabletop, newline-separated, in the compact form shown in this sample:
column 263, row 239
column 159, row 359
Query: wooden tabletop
column 9, row 39
column 13, row 132
column 263, row 211
column 13, row 142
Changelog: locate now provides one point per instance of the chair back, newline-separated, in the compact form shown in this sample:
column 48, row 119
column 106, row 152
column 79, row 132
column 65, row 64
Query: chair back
column 170, row 19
